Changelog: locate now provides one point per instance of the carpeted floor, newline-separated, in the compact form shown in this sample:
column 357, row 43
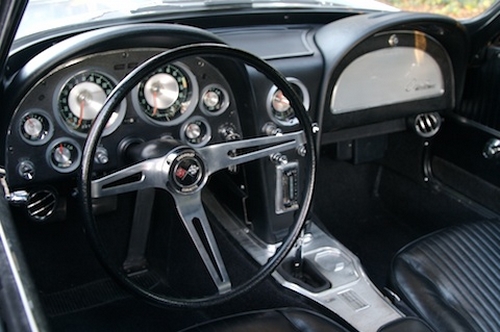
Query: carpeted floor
column 375, row 212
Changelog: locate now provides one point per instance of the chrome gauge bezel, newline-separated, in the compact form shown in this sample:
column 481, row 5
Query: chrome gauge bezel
column 224, row 104
column 48, row 133
column 119, row 114
column 291, row 121
column 205, row 138
column 192, row 98
column 75, row 161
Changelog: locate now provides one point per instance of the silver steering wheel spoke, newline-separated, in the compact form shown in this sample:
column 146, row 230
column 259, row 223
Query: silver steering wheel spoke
column 223, row 155
column 193, row 216
column 143, row 175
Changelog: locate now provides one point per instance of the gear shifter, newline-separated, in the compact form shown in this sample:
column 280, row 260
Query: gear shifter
column 299, row 270
column 298, row 260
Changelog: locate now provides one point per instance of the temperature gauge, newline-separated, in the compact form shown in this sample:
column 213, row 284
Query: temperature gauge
column 35, row 127
column 64, row 155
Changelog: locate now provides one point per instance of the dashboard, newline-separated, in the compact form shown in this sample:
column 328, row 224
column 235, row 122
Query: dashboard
column 188, row 100
column 358, row 76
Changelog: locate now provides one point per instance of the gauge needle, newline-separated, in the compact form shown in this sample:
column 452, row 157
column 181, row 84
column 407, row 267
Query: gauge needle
column 155, row 104
column 80, row 119
column 60, row 148
column 30, row 122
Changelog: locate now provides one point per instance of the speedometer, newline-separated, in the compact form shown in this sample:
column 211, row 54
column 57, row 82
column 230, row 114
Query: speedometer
column 166, row 96
column 82, row 97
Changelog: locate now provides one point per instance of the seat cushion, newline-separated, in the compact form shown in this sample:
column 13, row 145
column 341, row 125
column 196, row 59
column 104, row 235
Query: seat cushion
column 277, row 320
column 452, row 278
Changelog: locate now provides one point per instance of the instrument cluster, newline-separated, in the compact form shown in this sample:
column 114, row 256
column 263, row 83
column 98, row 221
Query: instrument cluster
column 189, row 100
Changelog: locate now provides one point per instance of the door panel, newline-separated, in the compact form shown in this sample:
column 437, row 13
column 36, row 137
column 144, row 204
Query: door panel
column 458, row 156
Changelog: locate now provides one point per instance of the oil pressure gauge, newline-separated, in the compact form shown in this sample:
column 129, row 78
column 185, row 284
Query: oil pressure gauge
column 64, row 155
column 35, row 127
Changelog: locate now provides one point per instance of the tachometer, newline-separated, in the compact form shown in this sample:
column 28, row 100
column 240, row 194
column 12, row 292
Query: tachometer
column 166, row 96
column 81, row 98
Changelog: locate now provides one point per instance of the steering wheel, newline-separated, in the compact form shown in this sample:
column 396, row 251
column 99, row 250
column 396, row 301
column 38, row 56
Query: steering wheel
column 164, row 158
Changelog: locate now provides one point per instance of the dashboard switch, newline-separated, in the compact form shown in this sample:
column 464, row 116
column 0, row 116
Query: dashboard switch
column 270, row 129
column 26, row 170
column 101, row 155
column 229, row 133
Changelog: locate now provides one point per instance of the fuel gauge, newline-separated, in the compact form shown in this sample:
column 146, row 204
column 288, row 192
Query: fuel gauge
column 64, row 155
column 35, row 127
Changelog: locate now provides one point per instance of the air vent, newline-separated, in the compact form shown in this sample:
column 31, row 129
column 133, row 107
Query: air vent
column 427, row 124
column 41, row 204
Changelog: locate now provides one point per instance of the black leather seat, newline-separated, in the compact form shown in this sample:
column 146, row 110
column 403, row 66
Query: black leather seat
column 276, row 320
column 452, row 278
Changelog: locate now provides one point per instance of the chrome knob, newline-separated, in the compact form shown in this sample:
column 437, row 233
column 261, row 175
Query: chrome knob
column 26, row 170
column 492, row 149
column 101, row 155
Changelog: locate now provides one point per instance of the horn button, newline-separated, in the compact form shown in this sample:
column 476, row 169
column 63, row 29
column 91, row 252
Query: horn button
column 187, row 172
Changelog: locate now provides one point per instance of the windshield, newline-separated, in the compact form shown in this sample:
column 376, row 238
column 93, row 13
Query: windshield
column 41, row 15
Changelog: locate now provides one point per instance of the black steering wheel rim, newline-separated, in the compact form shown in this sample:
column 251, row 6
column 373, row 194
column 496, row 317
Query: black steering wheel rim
column 94, row 135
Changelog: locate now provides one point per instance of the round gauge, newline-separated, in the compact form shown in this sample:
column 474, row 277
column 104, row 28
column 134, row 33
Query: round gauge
column 214, row 100
column 64, row 155
column 196, row 132
column 82, row 97
column 165, row 96
column 279, row 107
column 35, row 127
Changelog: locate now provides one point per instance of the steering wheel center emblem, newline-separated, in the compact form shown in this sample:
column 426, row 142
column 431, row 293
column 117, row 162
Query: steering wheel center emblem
column 188, row 173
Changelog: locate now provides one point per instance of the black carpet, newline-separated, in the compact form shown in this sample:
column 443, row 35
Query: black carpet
column 375, row 211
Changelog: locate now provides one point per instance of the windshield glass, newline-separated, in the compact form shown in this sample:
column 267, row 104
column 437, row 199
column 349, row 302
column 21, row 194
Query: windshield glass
column 458, row 9
column 41, row 15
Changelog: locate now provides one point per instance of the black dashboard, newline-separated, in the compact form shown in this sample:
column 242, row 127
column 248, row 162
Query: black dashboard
column 189, row 100
column 358, row 76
